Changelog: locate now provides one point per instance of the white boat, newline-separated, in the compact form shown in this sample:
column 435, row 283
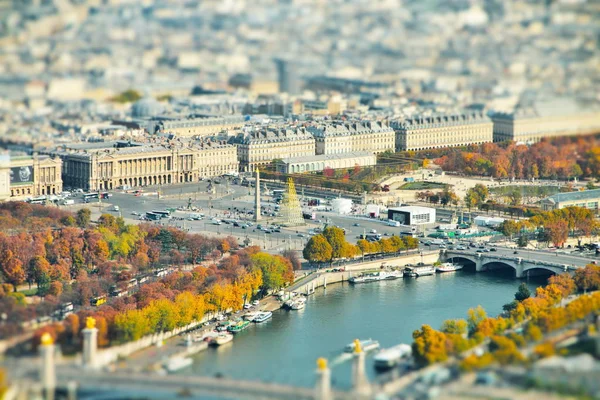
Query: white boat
column 389, row 358
column 262, row 316
column 448, row 267
column 177, row 363
column 366, row 345
column 415, row 272
column 221, row 339
column 298, row 304
column 376, row 276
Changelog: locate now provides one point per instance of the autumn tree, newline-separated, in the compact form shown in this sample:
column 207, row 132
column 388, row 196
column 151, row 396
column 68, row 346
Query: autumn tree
column 318, row 249
column 12, row 269
column 337, row 240
column 558, row 232
column 455, row 326
column 475, row 316
column 292, row 256
column 564, row 282
column 38, row 271
column 276, row 272
column 429, row 346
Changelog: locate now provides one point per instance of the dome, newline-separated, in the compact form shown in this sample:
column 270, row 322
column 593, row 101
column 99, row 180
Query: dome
column 146, row 107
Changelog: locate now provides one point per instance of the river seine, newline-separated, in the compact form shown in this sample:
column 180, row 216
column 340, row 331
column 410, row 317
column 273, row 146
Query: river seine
column 285, row 348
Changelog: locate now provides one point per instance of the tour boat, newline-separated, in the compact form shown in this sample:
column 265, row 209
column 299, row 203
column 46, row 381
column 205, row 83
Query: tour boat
column 238, row 326
column 298, row 304
column 376, row 276
column 415, row 272
column 223, row 326
column 448, row 267
column 389, row 358
column 177, row 363
column 221, row 339
column 262, row 316
column 365, row 345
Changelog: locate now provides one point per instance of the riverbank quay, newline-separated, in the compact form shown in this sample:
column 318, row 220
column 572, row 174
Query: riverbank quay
column 322, row 278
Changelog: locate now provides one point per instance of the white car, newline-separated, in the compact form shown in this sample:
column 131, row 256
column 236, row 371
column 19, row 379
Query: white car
column 255, row 303
column 373, row 231
column 247, row 306
column 217, row 222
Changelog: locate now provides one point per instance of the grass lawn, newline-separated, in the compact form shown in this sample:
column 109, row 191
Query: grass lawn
column 526, row 190
column 29, row 292
column 422, row 185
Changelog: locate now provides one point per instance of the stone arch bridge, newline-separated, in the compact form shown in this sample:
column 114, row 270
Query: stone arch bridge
column 522, row 266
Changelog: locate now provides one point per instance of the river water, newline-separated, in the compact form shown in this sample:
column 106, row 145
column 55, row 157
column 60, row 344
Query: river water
column 285, row 348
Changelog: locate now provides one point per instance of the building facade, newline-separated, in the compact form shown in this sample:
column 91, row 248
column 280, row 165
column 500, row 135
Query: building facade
column 587, row 199
column 412, row 215
column 346, row 137
column 262, row 146
column 529, row 125
column 33, row 176
column 442, row 131
column 125, row 164
column 319, row 163
column 198, row 125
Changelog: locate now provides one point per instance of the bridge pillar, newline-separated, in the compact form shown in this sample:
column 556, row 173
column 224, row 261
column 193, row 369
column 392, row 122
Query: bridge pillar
column 90, row 343
column 479, row 263
column 519, row 267
column 360, row 384
column 47, row 368
column 323, row 386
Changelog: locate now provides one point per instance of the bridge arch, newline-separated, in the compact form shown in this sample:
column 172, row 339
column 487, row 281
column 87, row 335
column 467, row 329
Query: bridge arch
column 490, row 265
column 468, row 262
column 541, row 269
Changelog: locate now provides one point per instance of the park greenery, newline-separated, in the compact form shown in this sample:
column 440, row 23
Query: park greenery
column 128, row 96
column 555, row 158
column 524, row 323
column 70, row 258
column 331, row 245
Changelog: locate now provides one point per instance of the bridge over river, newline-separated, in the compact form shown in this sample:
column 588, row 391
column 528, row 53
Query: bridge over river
column 523, row 262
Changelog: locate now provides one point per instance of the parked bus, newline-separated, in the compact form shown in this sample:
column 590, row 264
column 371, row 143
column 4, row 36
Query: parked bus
column 38, row 200
column 408, row 234
column 277, row 193
column 87, row 196
column 98, row 301
column 153, row 216
column 163, row 214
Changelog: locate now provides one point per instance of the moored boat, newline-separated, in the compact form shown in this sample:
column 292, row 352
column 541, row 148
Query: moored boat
column 177, row 363
column 238, row 326
column 262, row 316
column 448, row 267
column 415, row 272
column 376, row 276
column 366, row 345
column 389, row 358
column 298, row 304
column 221, row 339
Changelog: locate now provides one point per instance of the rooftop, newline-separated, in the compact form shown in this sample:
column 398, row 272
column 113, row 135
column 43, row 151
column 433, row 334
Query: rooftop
column 327, row 157
column 574, row 196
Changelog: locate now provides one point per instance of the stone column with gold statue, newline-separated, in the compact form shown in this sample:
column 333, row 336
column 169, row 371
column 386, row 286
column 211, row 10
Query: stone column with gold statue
column 90, row 343
column 47, row 367
column 323, row 386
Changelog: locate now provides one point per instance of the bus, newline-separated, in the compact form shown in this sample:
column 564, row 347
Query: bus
column 152, row 216
column 87, row 196
column 97, row 301
column 408, row 234
column 277, row 193
column 163, row 214
column 38, row 200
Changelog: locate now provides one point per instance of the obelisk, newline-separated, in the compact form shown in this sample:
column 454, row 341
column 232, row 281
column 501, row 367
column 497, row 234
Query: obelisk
column 257, row 197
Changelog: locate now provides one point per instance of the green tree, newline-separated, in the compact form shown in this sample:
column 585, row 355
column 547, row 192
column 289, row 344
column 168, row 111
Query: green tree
column 128, row 96
column 523, row 292
column 522, row 241
column 275, row 270
column 317, row 249
column 455, row 326
column 83, row 217
column 475, row 316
